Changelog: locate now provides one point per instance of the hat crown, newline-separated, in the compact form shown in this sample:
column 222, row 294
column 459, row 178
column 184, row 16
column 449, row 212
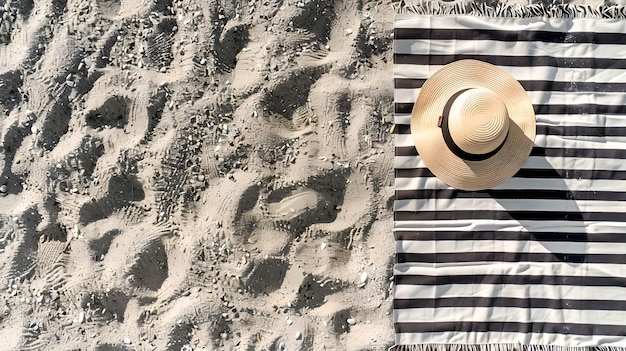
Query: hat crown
column 478, row 121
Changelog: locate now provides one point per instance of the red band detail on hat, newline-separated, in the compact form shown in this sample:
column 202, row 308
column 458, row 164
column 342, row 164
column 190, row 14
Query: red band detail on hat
column 439, row 121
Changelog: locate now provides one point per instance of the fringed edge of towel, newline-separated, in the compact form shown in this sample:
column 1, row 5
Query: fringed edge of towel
column 430, row 7
column 500, row 347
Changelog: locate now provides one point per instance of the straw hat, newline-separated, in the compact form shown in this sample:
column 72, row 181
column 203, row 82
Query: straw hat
column 473, row 125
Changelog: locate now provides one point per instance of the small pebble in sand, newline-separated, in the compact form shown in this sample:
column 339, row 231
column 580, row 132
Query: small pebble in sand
column 298, row 336
column 351, row 321
column 323, row 246
column 363, row 278
column 186, row 348
column 348, row 31
column 3, row 189
column 127, row 341
column 289, row 322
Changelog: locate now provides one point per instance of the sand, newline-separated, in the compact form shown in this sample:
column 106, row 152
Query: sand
column 196, row 175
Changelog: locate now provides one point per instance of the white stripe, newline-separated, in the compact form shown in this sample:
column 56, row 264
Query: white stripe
column 589, row 120
column 513, row 268
column 542, row 97
column 525, row 225
column 490, row 204
column 523, row 73
column 592, row 120
column 553, row 141
column 491, row 338
column 507, row 314
column 452, row 246
column 509, row 48
column 402, row 118
column 539, row 162
column 510, row 24
column 574, row 292
column 522, row 184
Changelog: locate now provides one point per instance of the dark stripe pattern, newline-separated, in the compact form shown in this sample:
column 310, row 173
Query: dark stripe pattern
column 452, row 264
column 535, row 85
column 582, row 109
column 540, row 194
column 513, row 61
column 510, row 280
column 510, row 36
column 542, row 129
column 513, row 327
column 618, row 154
column 536, row 174
column 510, row 215
column 425, row 235
column 510, row 302
column 553, row 257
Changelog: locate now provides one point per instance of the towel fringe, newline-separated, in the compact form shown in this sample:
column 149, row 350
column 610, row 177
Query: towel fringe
column 438, row 7
column 500, row 347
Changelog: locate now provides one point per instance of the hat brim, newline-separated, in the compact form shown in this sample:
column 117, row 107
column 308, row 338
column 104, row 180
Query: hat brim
column 428, row 139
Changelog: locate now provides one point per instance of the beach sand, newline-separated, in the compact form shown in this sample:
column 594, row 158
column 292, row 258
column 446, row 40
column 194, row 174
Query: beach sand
column 196, row 175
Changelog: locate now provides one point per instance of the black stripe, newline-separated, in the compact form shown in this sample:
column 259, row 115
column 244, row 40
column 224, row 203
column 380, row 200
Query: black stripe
column 516, row 61
column 580, row 109
column 509, row 215
column 511, row 327
column 542, row 129
column 518, row 194
column 571, row 152
column 403, row 129
column 474, row 256
column 413, row 173
column 537, row 173
column 403, row 107
column 498, row 279
column 535, row 85
column 545, row 151
column 422, row 235
column 509, row 36
column 409, row 83
column 406, row 151
column 560, row 304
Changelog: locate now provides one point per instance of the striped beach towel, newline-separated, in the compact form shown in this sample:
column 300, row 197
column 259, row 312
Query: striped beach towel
column 538, row 262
